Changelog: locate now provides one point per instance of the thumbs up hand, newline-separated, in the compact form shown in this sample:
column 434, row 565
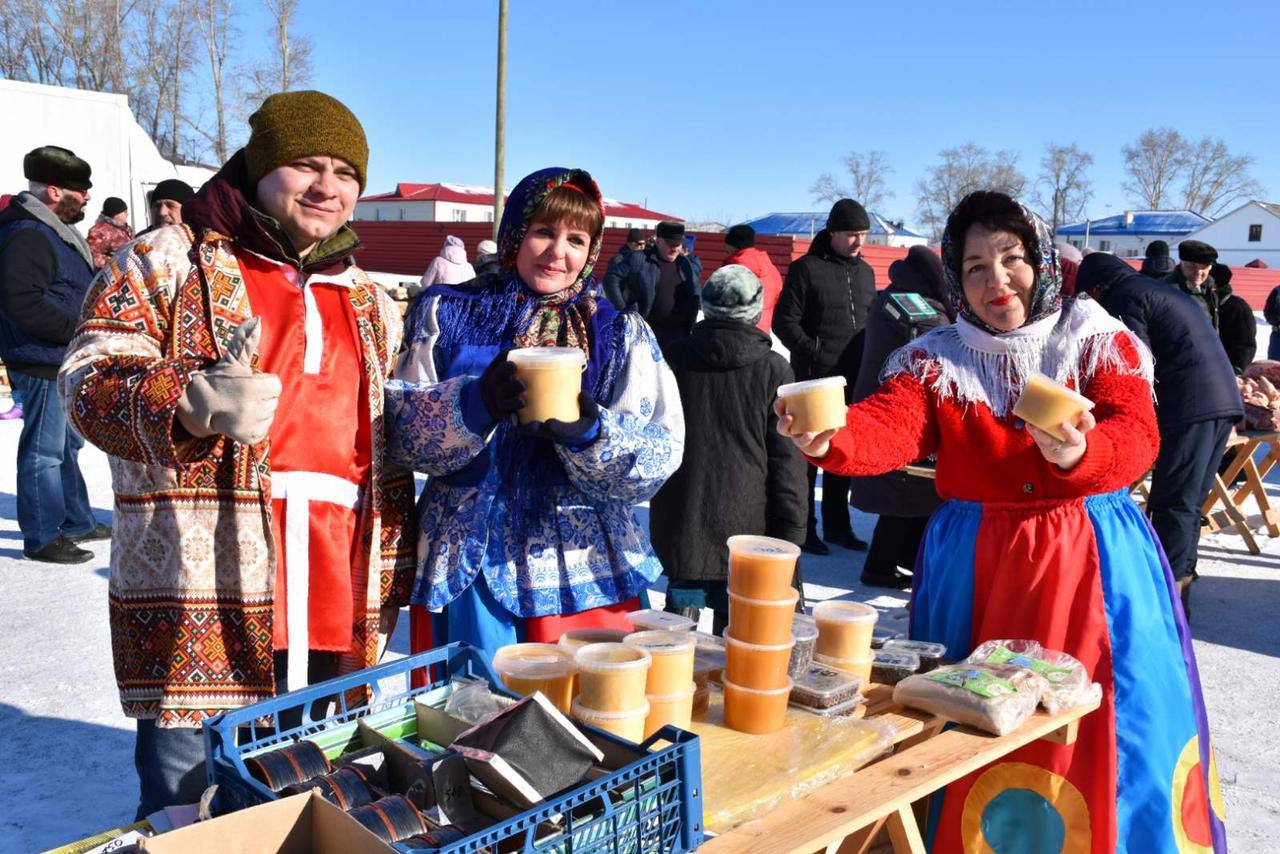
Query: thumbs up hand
column 229, row 397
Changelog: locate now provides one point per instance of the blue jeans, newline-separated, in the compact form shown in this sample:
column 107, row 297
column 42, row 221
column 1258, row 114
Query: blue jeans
column 52, row 498
column 170, row 761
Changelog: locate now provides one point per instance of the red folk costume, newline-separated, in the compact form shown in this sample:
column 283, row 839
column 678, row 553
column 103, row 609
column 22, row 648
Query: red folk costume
column 1023, row 549
column 319, row 453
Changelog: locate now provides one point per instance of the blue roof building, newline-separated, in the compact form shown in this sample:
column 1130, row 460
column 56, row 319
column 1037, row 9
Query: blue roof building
column 883, row 232
column 1127, row 234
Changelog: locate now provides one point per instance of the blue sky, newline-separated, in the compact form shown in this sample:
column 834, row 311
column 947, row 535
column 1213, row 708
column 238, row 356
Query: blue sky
column 730, row 110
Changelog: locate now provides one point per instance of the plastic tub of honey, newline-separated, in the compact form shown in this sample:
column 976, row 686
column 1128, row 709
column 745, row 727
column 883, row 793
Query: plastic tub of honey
column 1049, row 405
column 751, row 665
column 529, row 667
column 628, row 725
column 612, row 676
column 652, row 620
column 815, row 405
column 761, row 567
column 860, row 667
column 675, row 709
column 672, row 654
column 844, row 628
column 756, row 712
column 552, row 378
column 763, row 621
column 575, row 639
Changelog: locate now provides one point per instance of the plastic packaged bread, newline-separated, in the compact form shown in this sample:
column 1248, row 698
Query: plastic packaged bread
column 1049, row 405
column 997, row 698
column 1067, row 682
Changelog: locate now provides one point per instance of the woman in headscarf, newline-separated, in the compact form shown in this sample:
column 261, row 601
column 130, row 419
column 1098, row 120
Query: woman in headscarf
column 527, row 531
column 1038, row 539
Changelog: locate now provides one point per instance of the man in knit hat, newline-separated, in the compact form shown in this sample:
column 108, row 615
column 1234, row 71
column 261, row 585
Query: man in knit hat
column 110, row 232
column 819, row 317
column 234, row 367
column 736, row 478
column 45, row 270
column 1156, row 263
column 164, row 203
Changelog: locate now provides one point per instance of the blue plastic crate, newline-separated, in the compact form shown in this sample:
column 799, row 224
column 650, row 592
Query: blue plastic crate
column 652, row 805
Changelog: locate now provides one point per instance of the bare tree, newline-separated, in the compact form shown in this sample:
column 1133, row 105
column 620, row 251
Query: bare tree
column 289, row 63
column 162, row 57
column 962, row 170
column 1215, row 178
column 1063, row 187
column 1153, row 165
column 215, row 27
column 868, row 180
column 825, row 189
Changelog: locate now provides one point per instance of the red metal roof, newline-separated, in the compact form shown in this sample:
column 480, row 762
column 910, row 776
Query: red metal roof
column 467, row 195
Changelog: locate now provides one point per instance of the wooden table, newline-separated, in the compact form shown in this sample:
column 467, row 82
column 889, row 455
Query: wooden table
column 848, row 814
column 1241, row 449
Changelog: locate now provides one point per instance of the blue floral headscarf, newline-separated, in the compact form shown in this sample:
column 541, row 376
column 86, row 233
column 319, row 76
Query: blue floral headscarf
column 1046, row 294
column 550, row 319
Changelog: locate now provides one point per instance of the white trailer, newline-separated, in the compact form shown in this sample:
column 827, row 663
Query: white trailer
column 100, row 128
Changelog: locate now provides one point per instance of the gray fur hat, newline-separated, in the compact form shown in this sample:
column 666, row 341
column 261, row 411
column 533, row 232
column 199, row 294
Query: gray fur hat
column 733, row 293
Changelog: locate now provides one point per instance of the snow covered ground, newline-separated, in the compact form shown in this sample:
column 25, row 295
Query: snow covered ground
column 66, row 751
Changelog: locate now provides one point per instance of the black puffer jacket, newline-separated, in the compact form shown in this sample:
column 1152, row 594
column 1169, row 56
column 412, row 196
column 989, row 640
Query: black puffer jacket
column 898, row 493
column 822, row 308
column 1194, row 380
column 1237, row 327
column 633, row 283
column 739, row 476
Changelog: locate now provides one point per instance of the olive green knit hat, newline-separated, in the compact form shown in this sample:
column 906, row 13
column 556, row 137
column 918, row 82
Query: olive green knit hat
column 290, row 125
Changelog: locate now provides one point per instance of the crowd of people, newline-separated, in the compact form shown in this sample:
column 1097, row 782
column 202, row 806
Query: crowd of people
column 265, row 410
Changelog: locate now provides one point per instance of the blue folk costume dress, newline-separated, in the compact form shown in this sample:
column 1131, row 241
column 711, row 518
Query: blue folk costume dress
column 1022, row 549
column 517, row 530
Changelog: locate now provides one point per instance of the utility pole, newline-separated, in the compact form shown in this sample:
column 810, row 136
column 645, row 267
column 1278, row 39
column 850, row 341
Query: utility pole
column 500, row 130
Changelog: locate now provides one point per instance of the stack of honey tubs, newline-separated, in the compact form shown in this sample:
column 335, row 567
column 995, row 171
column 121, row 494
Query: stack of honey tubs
column 758, row 640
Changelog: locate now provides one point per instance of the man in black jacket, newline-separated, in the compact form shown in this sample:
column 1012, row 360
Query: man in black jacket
column 1197, row 400
column 45, row 270
column 1237, row 327
column 822, row 308
column 738, row 476
column 660, row 283
column 633, row 243
column 1194, row 275
column 916, row 301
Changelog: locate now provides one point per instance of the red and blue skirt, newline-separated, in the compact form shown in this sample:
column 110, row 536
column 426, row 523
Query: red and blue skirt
column 1087, row 577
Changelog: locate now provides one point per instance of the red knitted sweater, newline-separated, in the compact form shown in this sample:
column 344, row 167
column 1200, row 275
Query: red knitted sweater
column 989, row 459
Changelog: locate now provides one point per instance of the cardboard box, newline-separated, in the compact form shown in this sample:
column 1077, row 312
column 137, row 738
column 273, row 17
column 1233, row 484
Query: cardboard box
column 301, row 824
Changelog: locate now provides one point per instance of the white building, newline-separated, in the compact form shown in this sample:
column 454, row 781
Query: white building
column 100, row 128
column 464, row 203
column 1251, row 231
column 1127, row 234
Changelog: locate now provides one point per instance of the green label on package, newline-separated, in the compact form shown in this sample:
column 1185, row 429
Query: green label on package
column 1004, row 655
column 977, row 682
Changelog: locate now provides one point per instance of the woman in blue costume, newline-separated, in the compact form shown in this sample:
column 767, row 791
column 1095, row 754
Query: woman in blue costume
column 527, row 531
column 1038, row 539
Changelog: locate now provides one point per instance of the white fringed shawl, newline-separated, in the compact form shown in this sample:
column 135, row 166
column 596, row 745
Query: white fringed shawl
column 963, row 363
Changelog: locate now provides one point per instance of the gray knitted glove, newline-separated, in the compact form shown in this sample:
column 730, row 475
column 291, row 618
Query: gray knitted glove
column 229, row 397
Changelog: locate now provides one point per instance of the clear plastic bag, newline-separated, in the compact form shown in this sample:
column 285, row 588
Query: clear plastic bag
column 996, row 698
column 471, row 701
column 1066, row 679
